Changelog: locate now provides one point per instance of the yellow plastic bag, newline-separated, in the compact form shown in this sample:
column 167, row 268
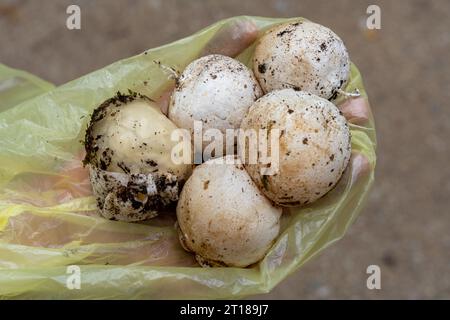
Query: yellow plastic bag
column 47, row 215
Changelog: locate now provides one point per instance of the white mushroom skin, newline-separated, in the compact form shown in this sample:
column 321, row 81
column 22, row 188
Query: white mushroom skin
column 303, row 55
column 314, row 146
column 128, row 153
column 216, row 90
column 223, row 218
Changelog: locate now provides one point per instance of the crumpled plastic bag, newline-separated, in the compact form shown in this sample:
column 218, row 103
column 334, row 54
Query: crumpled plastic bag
column 48, row 217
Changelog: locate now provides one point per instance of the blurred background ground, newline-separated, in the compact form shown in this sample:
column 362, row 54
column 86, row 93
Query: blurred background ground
column 405, row 227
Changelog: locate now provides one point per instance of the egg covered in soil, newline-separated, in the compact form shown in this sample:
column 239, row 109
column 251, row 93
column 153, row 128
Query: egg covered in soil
column 129, row 156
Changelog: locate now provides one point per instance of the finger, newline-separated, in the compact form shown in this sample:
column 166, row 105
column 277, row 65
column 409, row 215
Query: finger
column 232, row 38
column 356, row 110
column 360, row 165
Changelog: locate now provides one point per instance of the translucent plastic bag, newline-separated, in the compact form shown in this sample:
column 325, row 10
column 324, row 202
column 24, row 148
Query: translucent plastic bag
column 47, row 213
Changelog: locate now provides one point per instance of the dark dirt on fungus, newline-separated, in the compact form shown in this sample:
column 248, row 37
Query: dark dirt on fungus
column 134, row 191
column 334, row 95
column 262, row 68
column 265, row 182
column 135, row 194
column 151, row 163
column 282, row 33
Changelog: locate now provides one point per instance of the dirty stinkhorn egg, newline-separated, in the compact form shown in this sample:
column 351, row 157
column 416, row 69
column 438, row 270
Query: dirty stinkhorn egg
column 129, row 156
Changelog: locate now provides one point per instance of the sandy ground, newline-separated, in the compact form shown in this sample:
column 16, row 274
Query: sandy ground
column 405, row 226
